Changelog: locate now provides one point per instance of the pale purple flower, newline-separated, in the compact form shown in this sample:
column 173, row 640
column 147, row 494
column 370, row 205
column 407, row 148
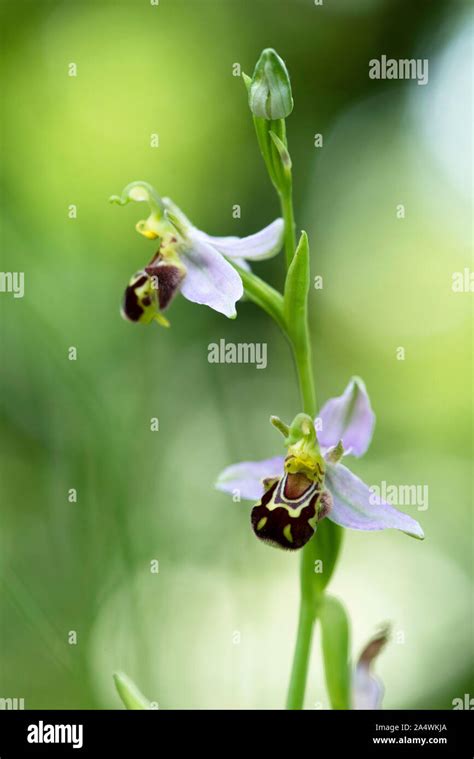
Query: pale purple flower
column 349, row 420
column 189, row 260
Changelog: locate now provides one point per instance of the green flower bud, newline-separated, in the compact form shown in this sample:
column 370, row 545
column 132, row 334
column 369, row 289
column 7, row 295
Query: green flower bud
column 270, row 91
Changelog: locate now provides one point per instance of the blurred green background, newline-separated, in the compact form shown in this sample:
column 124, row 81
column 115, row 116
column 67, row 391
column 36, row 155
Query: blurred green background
column 85, row 424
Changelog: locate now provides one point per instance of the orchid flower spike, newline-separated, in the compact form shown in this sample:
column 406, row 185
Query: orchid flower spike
column 311, row 483
column 188, row 260
column 367, row 689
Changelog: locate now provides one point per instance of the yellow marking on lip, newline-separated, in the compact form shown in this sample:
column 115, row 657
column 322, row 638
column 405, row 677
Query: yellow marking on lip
column 287, row 533
column 262, row 523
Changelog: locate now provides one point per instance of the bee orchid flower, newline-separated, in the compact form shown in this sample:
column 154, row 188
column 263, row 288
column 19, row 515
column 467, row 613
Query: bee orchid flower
column 188, row 260
column 311, row 483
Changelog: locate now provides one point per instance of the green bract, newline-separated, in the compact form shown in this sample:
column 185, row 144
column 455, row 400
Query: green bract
column 132, row 698
column 335, row 642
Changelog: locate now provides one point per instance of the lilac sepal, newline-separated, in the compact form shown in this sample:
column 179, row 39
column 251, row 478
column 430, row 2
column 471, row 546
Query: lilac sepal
column 247, row 477
column 348, row 418
column 355, row 506
column 367, row 689
column 210, row 279
column 257, row 247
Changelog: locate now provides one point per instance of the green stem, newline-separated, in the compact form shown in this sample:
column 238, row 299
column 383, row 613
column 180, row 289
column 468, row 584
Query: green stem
column 311, row 595
column 299, row 671
column 291, row 314
column 297, row 330
column 286, row 200
column 307, row 613
column 305, row 377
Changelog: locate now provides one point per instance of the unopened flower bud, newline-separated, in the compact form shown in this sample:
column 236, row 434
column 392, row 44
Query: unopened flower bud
column 270, row 91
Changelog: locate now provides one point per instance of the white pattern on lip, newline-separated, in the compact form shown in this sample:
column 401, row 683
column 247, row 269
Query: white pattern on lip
column 280, row 497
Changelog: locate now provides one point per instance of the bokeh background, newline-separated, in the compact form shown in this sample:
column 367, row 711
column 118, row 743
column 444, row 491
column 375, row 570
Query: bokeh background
column 85, row 424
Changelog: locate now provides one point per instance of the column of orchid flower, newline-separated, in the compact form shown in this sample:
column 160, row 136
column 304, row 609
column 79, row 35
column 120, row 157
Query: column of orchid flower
column 301, row 500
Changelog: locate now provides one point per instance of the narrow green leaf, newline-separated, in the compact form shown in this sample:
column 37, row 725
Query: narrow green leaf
column 335, row 643
column 262, row 129
column 280, row 156
column 296, row 293
column 247, row 80
column 283, row 153
column 129, row 693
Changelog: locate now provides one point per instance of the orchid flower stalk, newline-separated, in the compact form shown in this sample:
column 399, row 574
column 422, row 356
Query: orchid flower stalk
column 304, row 498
